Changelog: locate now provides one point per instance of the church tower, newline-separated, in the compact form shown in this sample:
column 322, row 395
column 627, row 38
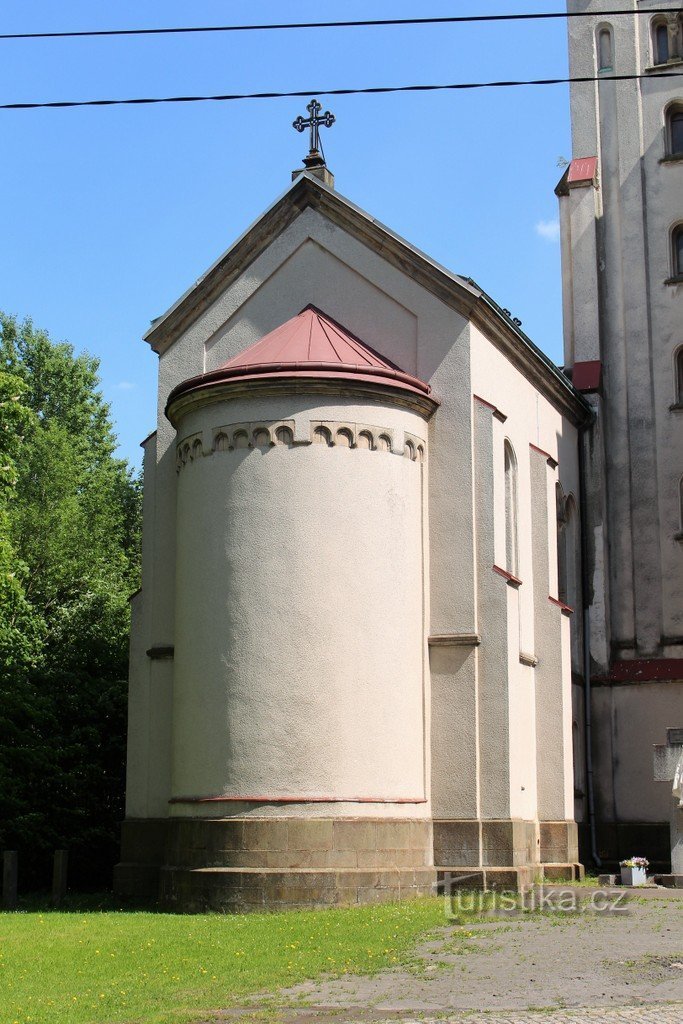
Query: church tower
column 621, row 206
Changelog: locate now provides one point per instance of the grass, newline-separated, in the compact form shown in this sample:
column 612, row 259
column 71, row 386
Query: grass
column 90, row 966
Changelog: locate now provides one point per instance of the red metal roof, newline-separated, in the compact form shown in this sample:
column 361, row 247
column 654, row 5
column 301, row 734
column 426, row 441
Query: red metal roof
column 587, row 375
column 309, row 345
column 583, row 169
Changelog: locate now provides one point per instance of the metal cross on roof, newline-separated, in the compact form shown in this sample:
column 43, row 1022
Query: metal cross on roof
column 313, row 123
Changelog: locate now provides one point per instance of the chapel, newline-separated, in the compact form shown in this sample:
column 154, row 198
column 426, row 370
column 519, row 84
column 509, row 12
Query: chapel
column 351, row 653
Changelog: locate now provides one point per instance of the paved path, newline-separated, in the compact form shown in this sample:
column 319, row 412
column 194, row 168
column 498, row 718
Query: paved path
column 561, row 968
column 659, row 1014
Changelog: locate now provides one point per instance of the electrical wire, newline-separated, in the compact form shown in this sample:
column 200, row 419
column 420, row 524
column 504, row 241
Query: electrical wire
column 368, row 91
column 367, row 23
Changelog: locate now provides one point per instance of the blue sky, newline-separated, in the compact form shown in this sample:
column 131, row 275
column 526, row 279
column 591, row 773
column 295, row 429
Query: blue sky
column 109, row 214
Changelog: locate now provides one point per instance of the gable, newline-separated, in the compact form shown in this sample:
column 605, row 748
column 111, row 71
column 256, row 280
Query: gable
column 368, row 256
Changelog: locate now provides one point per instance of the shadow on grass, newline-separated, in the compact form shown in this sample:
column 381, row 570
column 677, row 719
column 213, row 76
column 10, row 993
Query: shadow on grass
column 83, row 902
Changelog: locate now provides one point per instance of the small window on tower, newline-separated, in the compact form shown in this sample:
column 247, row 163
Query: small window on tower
column 605, row 50
column 677, row 251
column 661, row 42
column 674, row 130
column 678, row 378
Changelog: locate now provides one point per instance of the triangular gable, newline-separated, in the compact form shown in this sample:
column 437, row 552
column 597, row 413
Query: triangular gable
column 461, row 294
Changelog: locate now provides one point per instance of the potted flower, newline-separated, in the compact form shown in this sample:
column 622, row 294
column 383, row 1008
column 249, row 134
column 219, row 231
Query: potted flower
column 633, row 871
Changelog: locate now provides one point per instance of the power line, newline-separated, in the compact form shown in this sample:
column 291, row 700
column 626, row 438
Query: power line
column 368, row 23
column 370, row 90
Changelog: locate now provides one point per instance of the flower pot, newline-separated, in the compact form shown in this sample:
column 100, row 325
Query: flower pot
column 633, row 876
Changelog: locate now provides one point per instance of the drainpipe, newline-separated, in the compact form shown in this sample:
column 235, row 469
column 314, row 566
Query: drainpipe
column 588, row 728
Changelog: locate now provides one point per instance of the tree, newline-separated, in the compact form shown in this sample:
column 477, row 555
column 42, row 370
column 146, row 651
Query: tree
column 72, row 530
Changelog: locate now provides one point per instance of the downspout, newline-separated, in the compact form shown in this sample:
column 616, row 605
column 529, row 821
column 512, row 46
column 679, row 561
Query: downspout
column 585, row 596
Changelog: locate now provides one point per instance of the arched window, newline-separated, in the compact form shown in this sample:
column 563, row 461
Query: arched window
column 605, row 58
column 677, row 251
column 674, row 130
column 510, row 509
column 678, row 377
column 660, row 42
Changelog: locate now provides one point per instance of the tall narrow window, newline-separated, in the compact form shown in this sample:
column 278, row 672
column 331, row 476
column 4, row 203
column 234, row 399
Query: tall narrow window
column 605, row 50
column 677, row 251
column 675, row 131
column 680, row 503
column 561, row 544
column 661, row 41
column 678, row 369
column 510, row 510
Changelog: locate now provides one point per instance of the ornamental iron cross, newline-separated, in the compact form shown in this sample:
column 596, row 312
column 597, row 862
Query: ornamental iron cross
column 313, row 123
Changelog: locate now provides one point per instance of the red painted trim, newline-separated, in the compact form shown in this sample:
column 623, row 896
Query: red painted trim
column 561, row 605
column 507, row 576
column 546, row 455
column 644, row 670
column 489, row 405
column 296, row 800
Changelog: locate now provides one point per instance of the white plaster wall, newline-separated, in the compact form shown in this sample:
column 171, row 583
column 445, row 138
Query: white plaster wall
column 148, row 762
column 313, row 261
column 530, row 419
column 300, row 618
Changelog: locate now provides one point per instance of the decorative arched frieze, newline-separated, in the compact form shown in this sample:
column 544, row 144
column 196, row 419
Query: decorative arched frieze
column 322, row 435
column 261, row 436
column 232, row 437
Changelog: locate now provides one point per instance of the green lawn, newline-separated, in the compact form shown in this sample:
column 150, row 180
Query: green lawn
column 134, row 967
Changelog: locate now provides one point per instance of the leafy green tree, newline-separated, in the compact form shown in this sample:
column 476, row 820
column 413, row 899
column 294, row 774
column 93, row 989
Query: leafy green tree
column 72, row 530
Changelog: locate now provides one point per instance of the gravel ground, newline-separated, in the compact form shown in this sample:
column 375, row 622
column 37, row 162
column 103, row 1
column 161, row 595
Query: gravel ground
column 555, row 968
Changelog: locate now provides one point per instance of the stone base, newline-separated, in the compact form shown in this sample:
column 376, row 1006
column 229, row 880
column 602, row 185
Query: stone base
column 249, row 863
column 507, row 879
column 559, row 842
column 669, row 881
column 240, row 890
column 513, row 842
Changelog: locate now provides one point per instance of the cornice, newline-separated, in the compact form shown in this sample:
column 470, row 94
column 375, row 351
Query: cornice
column 229, row 390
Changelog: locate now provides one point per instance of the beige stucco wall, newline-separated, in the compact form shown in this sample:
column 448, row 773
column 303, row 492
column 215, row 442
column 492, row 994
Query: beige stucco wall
column 239, row 539
column 537, row 701
column 300, row 616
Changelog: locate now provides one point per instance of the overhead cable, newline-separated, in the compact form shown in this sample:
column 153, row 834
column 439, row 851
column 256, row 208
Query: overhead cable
column 462, row 19
column 368, row 91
